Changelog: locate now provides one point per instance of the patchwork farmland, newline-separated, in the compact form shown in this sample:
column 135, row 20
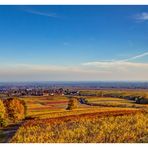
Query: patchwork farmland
column 48, row 120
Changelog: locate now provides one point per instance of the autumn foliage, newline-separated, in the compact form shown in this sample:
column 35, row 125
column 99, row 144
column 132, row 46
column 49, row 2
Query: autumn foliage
column 85, row 129
column 2, row 110
column 2, row 114
column 16, row 109
column 72, row 104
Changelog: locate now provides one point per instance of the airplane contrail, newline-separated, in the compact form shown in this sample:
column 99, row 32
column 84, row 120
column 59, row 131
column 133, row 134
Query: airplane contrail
column 110, row 62
column 136, row 57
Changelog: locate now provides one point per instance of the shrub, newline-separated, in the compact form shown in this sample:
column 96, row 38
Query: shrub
column 16, row 109
column 72, row 104
column 3, row 122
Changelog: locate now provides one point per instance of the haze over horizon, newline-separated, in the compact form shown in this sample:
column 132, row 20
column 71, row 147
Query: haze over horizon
column 74, row 43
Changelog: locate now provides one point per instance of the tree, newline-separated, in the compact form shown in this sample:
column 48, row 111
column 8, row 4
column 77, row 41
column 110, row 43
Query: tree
column 3, row 120
column 2, row 109
column 15, row 109
column 72, row 104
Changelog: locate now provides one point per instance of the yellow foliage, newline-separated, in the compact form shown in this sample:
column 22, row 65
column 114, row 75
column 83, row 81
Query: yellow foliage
column 15, row 109
column 2, row 110
column 72, row 104
column 113, row 129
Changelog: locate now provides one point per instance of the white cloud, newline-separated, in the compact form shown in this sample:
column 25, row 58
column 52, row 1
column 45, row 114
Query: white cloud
column 99, row 70
column 45, row 72
column 121, row 69
column 118, row 62
column 137, row 56
column 142, row 16
column 40, row 13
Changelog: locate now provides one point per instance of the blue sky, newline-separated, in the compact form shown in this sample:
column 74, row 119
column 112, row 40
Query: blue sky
column 73, row 43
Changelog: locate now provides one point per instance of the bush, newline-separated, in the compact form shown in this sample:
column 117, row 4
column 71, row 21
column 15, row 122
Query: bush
column 72, row 104
column 16, row 109
column 3, row 122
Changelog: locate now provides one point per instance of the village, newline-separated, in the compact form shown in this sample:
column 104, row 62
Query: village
column 37, row 92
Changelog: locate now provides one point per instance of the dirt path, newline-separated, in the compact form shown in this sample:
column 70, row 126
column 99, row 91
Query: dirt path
column 9, row 132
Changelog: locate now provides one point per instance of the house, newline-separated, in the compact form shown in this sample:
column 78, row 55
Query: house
column 52, row 94
column 45, row 94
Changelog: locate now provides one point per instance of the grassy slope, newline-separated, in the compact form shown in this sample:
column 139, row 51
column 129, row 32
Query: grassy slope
column 81, row 122
column 85, row 129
